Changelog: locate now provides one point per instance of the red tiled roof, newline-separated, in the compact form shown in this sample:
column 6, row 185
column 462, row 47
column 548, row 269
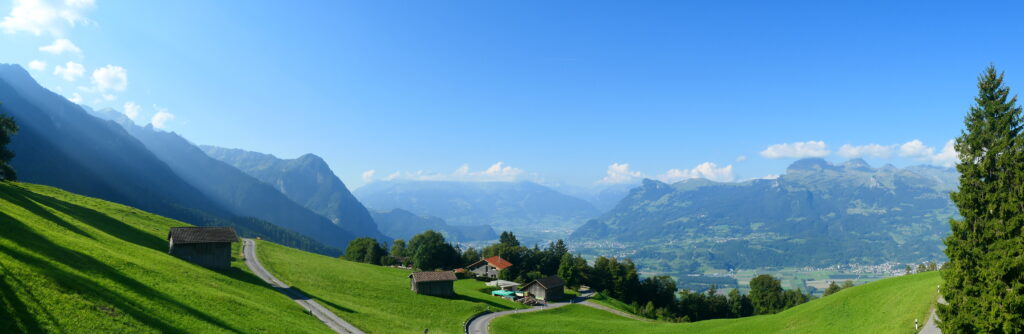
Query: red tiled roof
column 498, row 262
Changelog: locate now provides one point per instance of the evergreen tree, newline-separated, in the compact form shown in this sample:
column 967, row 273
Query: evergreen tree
column 847, row 284
column 984, row 278
column 832, row 288
column 7, row 129
column 508, row 239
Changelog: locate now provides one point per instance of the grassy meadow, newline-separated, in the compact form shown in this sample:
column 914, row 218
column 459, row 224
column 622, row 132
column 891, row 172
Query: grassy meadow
column 884, row 306
column 75, row 264
column 377, row 299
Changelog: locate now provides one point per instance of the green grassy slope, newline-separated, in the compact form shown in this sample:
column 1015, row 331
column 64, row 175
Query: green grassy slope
column 373, row 298
column 75, row 264
column 885, row 306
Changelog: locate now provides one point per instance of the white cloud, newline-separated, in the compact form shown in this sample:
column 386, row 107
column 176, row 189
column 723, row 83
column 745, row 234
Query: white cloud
column 71, row 71
column 76, row 98
column 741, row 158
column 707, row 170
column 109, row 97
column 816, row 149
column 161, row 117
column 40, row 16
column 368, row 175
column 620, row 173
column 497, row 172
column 131, row 109
column 59, row 46
column 947, row 157
column 871, row 150
column 110, row 77
column 37, row 65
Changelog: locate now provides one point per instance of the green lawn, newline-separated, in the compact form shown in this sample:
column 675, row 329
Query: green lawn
column 70, row 263
column 600, row 298
column 884, row 306
column 377, row 299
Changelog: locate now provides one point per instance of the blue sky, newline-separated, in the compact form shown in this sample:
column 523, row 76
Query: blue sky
column 565, row 93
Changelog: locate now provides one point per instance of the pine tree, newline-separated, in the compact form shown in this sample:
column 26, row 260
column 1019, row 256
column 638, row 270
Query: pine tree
column 7, row 129
column 984, row 278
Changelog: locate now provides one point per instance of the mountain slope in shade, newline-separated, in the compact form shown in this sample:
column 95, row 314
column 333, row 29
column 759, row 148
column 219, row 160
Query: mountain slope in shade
column 816, row 214
column 307, row 180
column 401, row 224
column 517, row 206
column 61, row 145
column 233, row 189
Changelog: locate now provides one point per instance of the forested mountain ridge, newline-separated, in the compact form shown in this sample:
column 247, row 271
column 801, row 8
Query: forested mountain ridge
column 816, row 214
column 308, row 181
column 401, row 224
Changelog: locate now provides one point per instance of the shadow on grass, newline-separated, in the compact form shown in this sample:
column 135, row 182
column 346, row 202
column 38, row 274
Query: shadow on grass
column 50, row 253
column 14, row 314
column 492, row 303
column 317, row 299
column 96, row 219
column 17, row 196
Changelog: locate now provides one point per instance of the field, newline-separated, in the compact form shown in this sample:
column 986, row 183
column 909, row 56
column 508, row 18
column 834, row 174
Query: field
column 884, row 306
column 70, row 263
column 377, row 299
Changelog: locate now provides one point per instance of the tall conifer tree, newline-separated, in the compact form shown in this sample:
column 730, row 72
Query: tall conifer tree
column 984, row 279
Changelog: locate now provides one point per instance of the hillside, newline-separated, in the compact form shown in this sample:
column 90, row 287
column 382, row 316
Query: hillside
column 70, row 263
column 60, row 144
column 524, row 207
column 308, row 181
column 376, row 299
column 817, row 214
column 401, row 224
column 885, row 306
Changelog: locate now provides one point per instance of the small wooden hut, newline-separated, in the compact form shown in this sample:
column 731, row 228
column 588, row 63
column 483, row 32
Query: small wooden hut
column 433, row 283
column 206, row 246
column 547, row 289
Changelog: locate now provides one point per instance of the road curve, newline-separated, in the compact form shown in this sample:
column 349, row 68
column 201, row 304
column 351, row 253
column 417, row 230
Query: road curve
column 481, row 324
column 314, row 308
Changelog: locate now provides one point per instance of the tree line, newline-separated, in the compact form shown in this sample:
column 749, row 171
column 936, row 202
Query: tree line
column 655, row 297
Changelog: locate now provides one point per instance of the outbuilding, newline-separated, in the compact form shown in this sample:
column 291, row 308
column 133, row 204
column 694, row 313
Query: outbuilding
column 489, row 267
column 206, row 246
column 433, row 283
column 547, row 289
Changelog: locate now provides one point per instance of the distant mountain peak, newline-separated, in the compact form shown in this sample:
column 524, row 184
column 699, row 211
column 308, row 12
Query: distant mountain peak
column 858, row 164
column 810, row 164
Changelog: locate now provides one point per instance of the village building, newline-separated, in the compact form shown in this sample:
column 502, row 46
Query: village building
column 489, row 267
column 503, row 284
column 206, row 246
column 547, row 289
column 433, row 283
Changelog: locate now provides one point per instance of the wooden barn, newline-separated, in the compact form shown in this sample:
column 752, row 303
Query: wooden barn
column 433, row 283
column 206, row 246
column 489, row 267
column 547, row 289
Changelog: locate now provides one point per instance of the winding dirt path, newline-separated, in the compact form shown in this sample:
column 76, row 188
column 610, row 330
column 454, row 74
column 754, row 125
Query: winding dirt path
column 314, row 308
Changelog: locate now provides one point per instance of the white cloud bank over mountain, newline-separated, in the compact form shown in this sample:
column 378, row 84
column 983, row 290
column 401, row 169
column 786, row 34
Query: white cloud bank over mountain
column 621, row 173
column 808, row 149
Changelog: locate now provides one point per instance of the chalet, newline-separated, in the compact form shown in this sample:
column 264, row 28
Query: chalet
column 433, row 283
column 489, row 267
column 206, row 246
column 547, row 289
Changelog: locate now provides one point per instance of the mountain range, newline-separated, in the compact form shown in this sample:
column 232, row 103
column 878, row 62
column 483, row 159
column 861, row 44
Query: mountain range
column 308, row 181
column 816, row 214
column 61, row 144
column 524, row 207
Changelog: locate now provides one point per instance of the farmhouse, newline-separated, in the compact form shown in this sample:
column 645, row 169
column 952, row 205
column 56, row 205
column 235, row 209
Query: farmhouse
column 547, row 289
column 489, row 267
column 433, row 283
column 206, row 246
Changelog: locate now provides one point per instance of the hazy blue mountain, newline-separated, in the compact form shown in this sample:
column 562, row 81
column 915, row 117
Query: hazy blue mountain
column 62, row 145
column 235, row 190
column 603, row 197
column 307, row 180
column 816, row 214
column 401, row 224
column 518, row 206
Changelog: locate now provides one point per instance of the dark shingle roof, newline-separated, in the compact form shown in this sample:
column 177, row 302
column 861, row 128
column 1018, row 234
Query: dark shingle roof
column 547, row 282
column 198, row 235
column 432, row 276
